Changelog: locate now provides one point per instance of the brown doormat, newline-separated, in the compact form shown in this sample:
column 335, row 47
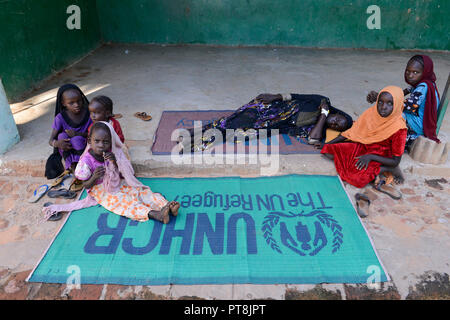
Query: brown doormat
column 171, row 120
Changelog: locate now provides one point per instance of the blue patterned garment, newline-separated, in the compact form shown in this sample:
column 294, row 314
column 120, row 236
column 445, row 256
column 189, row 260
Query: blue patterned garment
column 414, row 109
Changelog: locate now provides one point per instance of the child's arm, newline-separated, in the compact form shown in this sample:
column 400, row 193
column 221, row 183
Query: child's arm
column 363, row 161
column 99, row 172
column 63, row 144
column 415, row 100
column 72, row 133
column 338, row 139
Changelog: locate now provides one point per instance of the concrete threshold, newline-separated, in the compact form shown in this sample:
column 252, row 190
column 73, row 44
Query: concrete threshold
column 148, row 165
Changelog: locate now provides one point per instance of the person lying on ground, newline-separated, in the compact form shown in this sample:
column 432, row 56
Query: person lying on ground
column 301, row 115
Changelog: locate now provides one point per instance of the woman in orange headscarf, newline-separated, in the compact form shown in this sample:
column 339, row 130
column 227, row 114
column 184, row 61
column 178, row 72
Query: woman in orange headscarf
column 376, row 141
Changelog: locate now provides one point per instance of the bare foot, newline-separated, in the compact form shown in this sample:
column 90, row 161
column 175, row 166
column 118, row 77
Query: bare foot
column 398, row 175
column 162, row 215
column 174, row 206
column 396, row 172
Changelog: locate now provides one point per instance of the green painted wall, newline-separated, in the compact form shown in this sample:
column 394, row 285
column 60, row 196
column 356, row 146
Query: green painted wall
column 35, row 41
column 311, row 23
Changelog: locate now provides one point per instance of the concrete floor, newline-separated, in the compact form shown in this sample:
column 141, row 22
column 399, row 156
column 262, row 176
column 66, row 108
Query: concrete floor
column 412, row 235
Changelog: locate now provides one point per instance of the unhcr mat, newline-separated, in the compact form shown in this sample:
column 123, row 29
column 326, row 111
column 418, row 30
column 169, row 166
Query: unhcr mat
column 285, row 229
column 172, row 120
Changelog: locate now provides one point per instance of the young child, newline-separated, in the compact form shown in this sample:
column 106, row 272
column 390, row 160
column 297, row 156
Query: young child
column 101, row 168
column 71, row 123
column 420, row 108
column 101, row 109
column 376, row 142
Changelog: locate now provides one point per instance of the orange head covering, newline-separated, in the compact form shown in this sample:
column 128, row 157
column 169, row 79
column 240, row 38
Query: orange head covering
column 371, row 127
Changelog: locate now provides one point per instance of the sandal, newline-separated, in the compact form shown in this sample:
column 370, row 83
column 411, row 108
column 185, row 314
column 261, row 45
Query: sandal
column 143, row 116
column 387, row 189
column 63, row 193
column 59, row 179
column 362, row 205
column 117, row 116
column 435, row 183
column 55, row 217
column 39, row 193
column 76, row 185
column 67, row 182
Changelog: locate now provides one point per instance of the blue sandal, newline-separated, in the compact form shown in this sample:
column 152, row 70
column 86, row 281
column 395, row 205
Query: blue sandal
column 39, row 193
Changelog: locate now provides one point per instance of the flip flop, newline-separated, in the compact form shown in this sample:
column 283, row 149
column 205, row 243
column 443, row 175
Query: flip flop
column 57, row 216
column 76, row 185
column 435, row 183
column 62, row 193
column 60, row 178
column 387, row 189
column 143, row 116
column 39, row 193
column 67, row 182
column 361, row 208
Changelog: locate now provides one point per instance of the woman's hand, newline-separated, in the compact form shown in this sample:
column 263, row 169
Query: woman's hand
column 268, row 97
column 363, row 161
column 63, row 144
column 372, row 97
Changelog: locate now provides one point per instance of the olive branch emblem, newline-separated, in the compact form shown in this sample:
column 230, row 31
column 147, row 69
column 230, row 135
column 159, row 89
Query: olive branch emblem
column 272, row 219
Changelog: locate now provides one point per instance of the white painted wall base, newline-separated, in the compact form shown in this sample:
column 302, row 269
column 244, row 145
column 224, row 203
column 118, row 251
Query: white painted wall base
column 9, row 135
column 427, row 151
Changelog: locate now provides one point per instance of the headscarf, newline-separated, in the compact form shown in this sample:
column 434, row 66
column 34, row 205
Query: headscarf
column 111, row 180
column 124, row 165
column 60, row 109
column 370, row 127
column 430, row 112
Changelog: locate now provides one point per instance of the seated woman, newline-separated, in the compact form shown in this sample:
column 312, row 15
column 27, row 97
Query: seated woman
column 305, row 115
column 376, row 142
column 420, row 108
